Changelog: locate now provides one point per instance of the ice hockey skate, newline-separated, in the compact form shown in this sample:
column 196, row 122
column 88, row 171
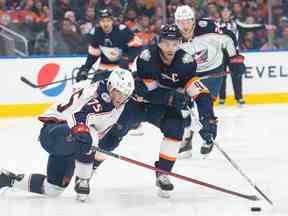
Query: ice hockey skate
column 164, row 184
column 185, row 150
column 82, row 189
column 7, row 178
column 206, row 148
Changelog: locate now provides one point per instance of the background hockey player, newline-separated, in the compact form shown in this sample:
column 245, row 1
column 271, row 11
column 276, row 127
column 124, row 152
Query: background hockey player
column 114, row 44
column 162, row 71
column 205, row 41
column 68, row 131
column 237, row 66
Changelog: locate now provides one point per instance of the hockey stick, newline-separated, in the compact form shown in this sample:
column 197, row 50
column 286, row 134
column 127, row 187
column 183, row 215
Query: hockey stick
column 185, row 178
column 33, row 85
column 242, row 173
column 216, row 75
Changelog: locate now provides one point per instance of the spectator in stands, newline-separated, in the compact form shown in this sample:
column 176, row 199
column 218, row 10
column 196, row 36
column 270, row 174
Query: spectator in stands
column 115, row 5
column 62, row 7
column 70, row 37
column 41, row 45
column 283, row 23
column 171, row 8
column 5, row 18
column 88, row 22
column 130, row 19
column 70, row 15
column 283, row 41
column 142, row 29
column 213, row 12
column 238, row 11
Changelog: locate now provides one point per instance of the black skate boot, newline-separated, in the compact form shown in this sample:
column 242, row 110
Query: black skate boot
column 206, row 148
column 185, row 150
column 163, row 183
column 241, row 102
column 7, row 178
column 82, row 188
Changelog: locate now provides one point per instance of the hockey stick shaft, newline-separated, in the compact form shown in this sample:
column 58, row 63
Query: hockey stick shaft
column 185, row 178
column 33, row 85
column 216, row 75
column 242, row 173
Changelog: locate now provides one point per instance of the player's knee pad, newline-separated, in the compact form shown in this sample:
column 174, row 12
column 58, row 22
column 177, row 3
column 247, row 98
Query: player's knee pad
column 173, row 128
column 55, row 139
column 52, row 190
column 85, row 158
column 60, row 170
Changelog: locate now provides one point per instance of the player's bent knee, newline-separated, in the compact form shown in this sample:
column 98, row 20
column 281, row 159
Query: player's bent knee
column 52, row 190
column 173, row 128
column 54, row 138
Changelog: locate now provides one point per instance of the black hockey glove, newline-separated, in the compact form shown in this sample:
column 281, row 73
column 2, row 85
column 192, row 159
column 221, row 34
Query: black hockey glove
column 82, row 138
column 208, row 133
column 82, row 74
column 237, row 66
column 176, row 100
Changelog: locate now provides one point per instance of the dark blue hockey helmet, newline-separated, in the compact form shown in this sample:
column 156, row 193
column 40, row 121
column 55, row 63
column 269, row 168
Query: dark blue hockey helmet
column 107, row 12
column 169, row 32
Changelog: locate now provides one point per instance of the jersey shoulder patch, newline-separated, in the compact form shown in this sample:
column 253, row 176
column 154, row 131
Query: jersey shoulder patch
column 202, row 23
column 145, row 55
column 106, row 97
column 187, row 58
column 122, row 27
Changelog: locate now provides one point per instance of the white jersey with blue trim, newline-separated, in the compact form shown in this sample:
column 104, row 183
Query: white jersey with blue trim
column 207, row 50
column 91, row 105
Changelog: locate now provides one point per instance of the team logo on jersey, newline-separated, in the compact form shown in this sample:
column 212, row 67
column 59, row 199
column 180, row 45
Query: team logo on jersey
column 145, row 55
column 106, row 97
column 201, row 56
column 173, row 77
column 48, row 73
column 187, row 58
column 202, row 23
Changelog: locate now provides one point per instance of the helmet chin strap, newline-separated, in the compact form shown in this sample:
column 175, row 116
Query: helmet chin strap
column 188, row 35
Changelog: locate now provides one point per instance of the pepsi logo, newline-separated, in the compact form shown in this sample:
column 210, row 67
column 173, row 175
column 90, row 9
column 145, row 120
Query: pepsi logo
column 49, row 73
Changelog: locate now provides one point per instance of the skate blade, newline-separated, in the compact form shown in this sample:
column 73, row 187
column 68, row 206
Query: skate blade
column 82, row 197
column 163, row 194
column 184, row 155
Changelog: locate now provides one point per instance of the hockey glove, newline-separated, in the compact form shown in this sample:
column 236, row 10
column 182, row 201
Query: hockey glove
column 176, row 100
column 237, row 66
column 82, row 74
column 208, row 133
column 82, row 138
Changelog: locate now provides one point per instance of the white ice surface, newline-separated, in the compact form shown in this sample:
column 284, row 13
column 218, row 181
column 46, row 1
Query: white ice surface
column 255, row 137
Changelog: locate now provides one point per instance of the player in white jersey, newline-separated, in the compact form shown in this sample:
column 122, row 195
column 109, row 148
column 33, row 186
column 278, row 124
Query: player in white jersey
column 205, row 41
column 68, row 133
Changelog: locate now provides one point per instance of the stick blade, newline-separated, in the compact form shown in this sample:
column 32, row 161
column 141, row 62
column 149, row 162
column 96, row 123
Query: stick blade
column 27, row 82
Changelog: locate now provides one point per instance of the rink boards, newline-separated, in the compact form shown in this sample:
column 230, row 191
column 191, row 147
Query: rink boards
column 265, row 82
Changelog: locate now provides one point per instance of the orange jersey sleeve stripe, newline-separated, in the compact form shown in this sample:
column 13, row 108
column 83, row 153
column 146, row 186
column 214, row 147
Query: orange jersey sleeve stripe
column 190, row 82
column 163, row 156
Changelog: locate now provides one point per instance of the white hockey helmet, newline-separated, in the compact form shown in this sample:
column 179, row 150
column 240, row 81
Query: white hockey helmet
column 184, row 12
column 121, row 80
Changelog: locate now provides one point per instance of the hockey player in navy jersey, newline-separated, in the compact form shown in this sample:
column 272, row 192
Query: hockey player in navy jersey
column 69, row 130
column 209, row 45
column 114, row 44
column 165, row 74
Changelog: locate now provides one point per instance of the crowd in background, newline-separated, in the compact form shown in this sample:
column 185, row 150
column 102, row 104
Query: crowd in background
column 74, row 20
